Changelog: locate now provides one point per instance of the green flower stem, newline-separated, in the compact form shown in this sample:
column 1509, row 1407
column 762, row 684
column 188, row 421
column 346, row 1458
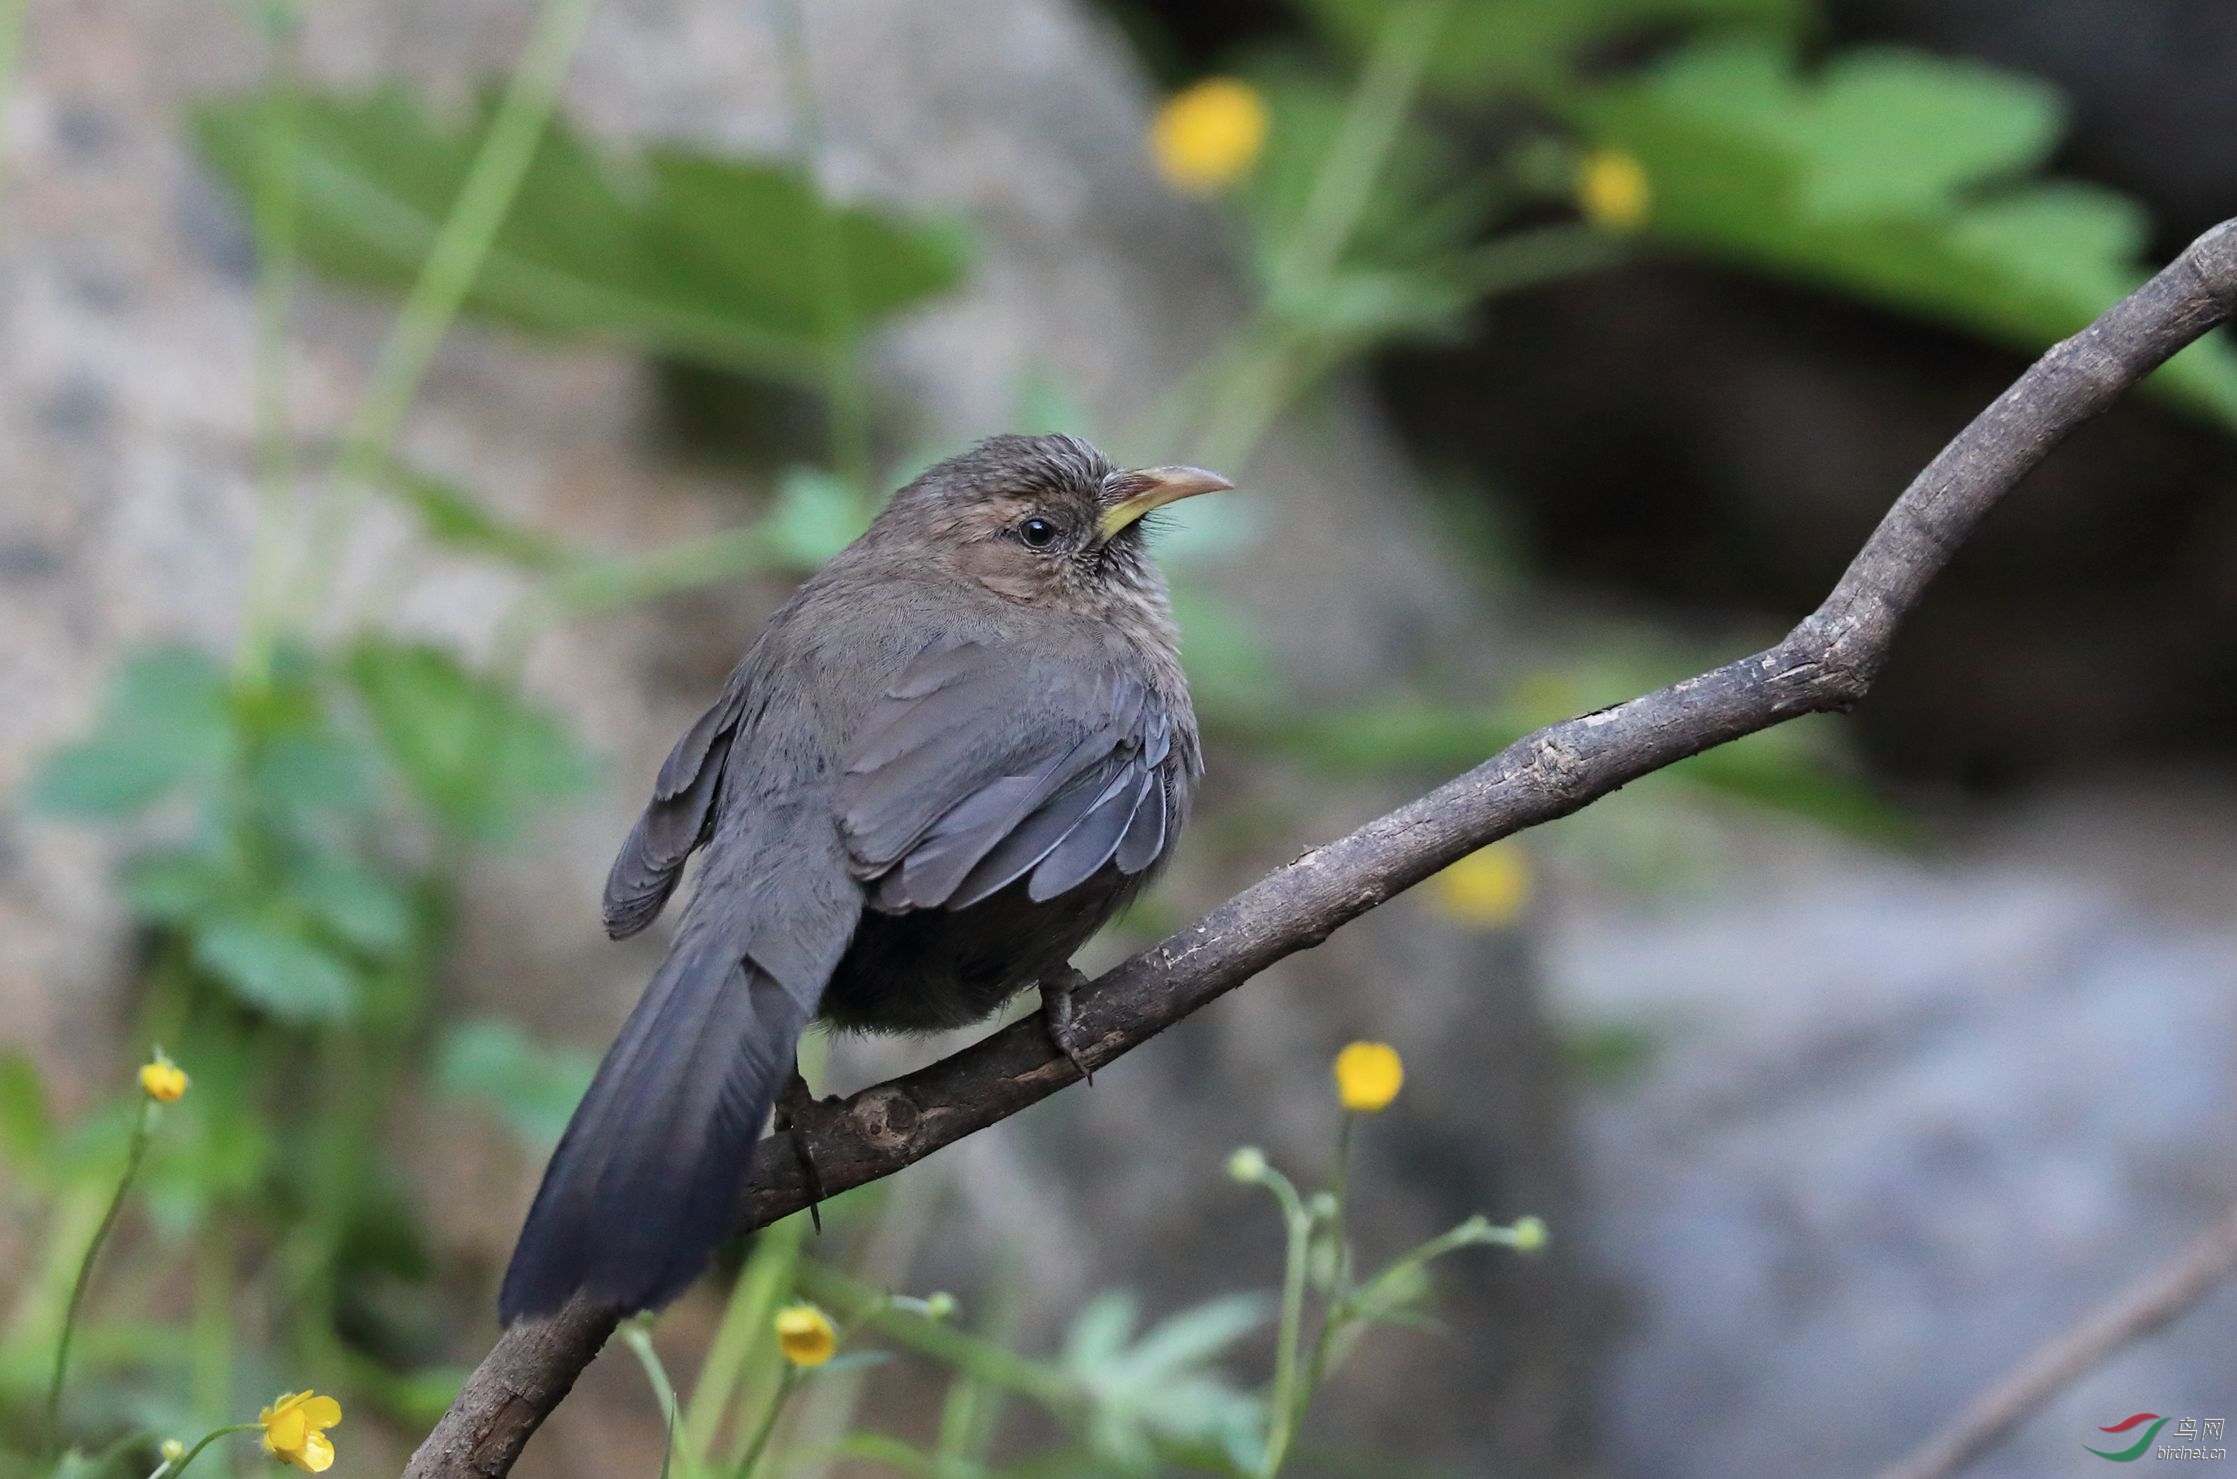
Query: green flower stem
column 1539, row 254
column 212, row 1359
column 1341, row 1308
column 637, row 1335
column 456, row 257
column 1276, row 355
column 594, row 586
column 169, row 1470
column 275, row 211
column 142, row 1132
column 1342, row 1183
column 898, row 1227
column 749, row 1465
column 1363, row 143
column 1282, row 1407
column 1476, row 1232
column 768, row 1272
column 741, row 1356
column 756, row 1449
column 845, row 388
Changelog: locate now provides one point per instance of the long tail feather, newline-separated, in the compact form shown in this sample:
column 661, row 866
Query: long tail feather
column 643, row 1187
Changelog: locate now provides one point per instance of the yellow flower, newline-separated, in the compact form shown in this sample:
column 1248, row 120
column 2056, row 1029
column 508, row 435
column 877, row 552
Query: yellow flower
column 163, row 1080
column 295, row 1430
column 1486, row 889
column 1207, row 137
column 1612, row 190
column 1368, row 1076
column 805, row 1335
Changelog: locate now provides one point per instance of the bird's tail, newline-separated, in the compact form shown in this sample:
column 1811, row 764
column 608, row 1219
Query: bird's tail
column 644, row 1185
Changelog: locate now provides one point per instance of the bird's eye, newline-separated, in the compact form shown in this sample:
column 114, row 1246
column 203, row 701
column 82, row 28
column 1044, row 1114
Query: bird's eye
column 1037, row 533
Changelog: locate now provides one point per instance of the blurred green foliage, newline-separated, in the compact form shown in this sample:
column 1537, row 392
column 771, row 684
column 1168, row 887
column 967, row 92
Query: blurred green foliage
column 714, row 260
column 1489, row 47
column 533, row 1088
column 1895, row 177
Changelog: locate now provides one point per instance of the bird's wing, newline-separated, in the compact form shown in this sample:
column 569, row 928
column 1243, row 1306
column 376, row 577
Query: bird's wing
column 679, row 816
column 982, row 765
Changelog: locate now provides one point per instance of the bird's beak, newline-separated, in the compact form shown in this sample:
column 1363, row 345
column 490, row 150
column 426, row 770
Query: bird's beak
column 1129, row 495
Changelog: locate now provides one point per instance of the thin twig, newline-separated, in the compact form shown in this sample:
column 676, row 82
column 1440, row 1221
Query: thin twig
column 455, row 258
column 1825, row 663
column 2135, row 1312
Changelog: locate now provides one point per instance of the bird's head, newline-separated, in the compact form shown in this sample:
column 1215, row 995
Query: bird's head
column 1040, row 519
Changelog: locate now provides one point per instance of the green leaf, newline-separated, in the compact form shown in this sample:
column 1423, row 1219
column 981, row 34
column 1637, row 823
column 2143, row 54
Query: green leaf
column 480, row 756
column 1901, row 131
column 1491, row 46
column 362, row 907
column 313, row 774
column 179, row 887
column 457, row 520
column 1892, row 177
column 271, row 964
column 718, row 261
column 1193, row 1337
column 534, row 1088
column 168, row 718
column 1100, row 1331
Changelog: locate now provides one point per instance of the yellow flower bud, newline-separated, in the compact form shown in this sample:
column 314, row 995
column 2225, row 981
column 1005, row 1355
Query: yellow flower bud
column 1612, row 190
column 163, row 1080
column 805, row 1335
column 1487, row 889
column 1208, row 136
column 1368, row 1076
column 171, row 1450
column 939, row 1306
column 1247, row 1164
column 1528, row 1235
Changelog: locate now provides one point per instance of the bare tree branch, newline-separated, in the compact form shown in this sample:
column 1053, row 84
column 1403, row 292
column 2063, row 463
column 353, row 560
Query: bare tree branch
column 1825, row 663
column 2135, row 1312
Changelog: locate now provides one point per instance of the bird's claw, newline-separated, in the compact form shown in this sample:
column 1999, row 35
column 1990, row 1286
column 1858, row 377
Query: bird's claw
column 797, row 1110
column 1056, row 1016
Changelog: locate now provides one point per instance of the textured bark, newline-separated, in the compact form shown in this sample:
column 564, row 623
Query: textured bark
column 1826, row 663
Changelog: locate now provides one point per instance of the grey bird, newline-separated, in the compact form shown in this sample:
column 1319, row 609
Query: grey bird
column 948, row 759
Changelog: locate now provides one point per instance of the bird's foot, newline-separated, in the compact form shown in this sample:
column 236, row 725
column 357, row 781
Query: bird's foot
column 798, row 1113
column 1056, row 1015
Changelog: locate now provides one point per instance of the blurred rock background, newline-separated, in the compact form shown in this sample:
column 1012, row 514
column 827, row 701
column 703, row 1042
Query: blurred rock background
column 1843, row 1073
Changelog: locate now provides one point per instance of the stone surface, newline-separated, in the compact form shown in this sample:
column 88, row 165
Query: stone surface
column 1900, row 1121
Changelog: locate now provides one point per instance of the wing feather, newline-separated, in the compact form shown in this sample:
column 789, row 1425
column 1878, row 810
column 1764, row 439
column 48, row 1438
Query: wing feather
column 1082, row 854
column 981, row 766
column 677, row 819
